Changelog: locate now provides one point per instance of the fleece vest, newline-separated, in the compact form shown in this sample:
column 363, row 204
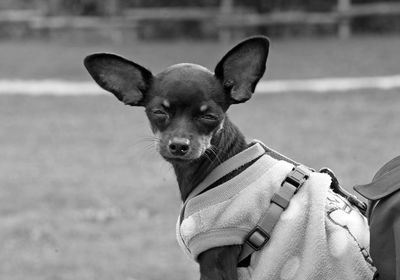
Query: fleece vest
column 319, row 236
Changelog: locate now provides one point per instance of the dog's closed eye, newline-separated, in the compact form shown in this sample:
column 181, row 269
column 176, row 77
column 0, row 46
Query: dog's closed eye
column 159, row 113
column 209, row 117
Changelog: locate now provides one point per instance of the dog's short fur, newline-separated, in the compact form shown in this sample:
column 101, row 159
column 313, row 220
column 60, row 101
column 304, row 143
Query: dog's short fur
column 186, row 105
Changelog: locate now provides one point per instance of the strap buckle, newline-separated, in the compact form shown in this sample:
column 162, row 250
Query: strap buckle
column 257, row 238
column 297, row 177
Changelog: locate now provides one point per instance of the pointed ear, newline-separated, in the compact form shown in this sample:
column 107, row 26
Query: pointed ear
column 242, row 67
column 127, row 80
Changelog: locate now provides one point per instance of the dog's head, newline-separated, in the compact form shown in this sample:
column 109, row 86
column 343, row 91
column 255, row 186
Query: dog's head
column 185, row 103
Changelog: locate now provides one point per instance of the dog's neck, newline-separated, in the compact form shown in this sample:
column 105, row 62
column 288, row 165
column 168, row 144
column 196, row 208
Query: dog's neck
column 226, row 143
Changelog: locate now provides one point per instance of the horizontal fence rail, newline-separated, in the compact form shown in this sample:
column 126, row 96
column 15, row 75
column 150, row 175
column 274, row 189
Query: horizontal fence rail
column 227, row 18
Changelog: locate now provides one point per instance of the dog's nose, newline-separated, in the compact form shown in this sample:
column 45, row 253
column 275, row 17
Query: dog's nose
column 179, row 146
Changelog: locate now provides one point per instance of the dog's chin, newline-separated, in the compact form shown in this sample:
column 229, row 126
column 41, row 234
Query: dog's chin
column 179, row 159
column 184, row 159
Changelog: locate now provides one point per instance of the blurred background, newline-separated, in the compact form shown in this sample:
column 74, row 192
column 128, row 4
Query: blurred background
column 83, row 193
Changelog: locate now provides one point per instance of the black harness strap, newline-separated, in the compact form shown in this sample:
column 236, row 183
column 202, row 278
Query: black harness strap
column 261, row 233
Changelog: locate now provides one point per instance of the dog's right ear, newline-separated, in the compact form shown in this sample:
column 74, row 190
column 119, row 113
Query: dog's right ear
column 127, row 80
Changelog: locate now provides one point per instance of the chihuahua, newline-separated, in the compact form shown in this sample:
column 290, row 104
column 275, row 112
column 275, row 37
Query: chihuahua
column 186, row 105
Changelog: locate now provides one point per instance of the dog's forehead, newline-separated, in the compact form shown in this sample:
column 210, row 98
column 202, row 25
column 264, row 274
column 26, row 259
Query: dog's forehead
column 187, row 82
column 187, row 68
column 182, row 74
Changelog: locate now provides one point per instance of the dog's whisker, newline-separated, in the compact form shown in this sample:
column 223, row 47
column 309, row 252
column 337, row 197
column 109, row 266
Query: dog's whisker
column 214, row 150
column 147, row 146
column 151, row 139
column 208, row 157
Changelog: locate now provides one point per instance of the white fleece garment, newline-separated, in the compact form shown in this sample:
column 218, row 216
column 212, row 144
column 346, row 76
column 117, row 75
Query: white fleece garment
column 319, row 236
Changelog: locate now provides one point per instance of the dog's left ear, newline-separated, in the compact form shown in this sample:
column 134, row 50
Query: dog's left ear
column 242, row 67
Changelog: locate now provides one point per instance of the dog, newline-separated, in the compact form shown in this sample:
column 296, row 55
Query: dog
column 186, row 105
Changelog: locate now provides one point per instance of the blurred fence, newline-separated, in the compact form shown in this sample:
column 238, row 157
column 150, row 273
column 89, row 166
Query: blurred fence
column 222, row 19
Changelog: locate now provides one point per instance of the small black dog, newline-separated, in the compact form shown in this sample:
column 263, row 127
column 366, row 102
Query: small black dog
column 186, row 105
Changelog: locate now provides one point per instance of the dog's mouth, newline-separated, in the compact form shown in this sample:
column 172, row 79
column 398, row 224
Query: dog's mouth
column 189, row 157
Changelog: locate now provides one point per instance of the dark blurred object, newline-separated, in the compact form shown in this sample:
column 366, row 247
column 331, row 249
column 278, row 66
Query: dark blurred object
column 197, row 19
column 384, row 218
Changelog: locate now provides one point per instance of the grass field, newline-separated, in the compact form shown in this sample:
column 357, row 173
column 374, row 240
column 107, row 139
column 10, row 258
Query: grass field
column 84, row 196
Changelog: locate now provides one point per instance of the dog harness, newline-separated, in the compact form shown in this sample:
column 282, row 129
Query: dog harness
column 319, row 235
column 261, row 233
